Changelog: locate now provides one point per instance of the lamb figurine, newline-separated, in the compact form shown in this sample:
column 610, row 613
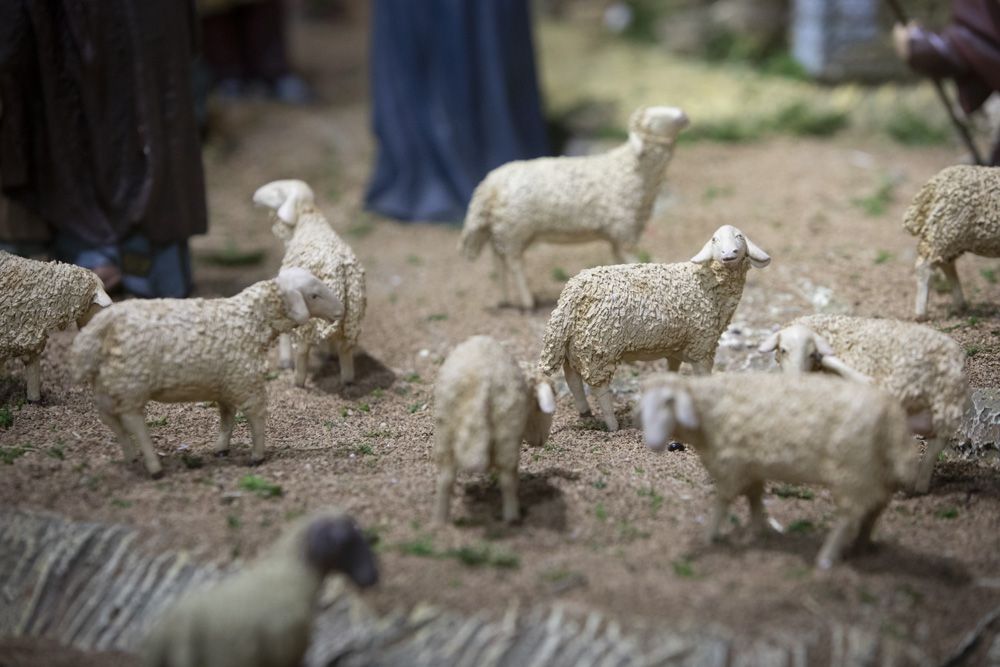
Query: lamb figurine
column 921, row 367
column 39, row 297
column 750, row 428
column 484, row 406
column 573, row 199
column 632, row 312
column 177, row 350
column 262, row 616
column 955, row 212
column 311, row 243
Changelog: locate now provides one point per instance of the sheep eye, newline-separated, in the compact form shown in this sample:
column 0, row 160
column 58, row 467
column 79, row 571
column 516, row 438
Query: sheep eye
column 315, row 296
column 715, row 240
column 739, row 236
column 782, row 350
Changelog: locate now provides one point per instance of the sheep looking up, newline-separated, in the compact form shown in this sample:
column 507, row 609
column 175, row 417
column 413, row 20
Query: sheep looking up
column 573, row 199
column 633, row 312
column 40, row 297
column 177, row 350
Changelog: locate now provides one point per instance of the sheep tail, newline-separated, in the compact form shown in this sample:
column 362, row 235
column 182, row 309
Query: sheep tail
column 86, row 350
column 919, row 211
column 476, row 231
column 556, row 339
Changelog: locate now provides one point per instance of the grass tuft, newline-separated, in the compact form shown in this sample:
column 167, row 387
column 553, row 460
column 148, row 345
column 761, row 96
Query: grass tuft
column 261, row 487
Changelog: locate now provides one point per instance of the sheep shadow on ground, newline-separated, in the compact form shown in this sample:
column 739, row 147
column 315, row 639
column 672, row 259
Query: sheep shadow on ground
column 965, row 479
column 543, row 306
column 13, row 390
column 542, row 503
column 369, row 374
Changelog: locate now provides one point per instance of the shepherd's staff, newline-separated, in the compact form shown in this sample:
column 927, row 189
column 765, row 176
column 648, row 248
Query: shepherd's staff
column 897, row 9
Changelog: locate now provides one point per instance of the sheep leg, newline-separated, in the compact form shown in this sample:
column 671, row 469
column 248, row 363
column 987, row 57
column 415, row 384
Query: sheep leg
column 257, row 418
column 760, row 523
column 864, row 539
column 33, row 378
column 844, row 533
column 703, row 367
column 285, row 360
column 508, row 492
column 719, row 512
column 516, row 265
column 227, row 415
column 442, row 503
column 503, row 276
column 135, row 423
column 575, row 383
column 624, row 255
column 926, row 470
column 924, row 271
column 301, row 363
column 673, row 365
column 951, row 273
column 124, row 440
column 606, row 403
column 345, row 355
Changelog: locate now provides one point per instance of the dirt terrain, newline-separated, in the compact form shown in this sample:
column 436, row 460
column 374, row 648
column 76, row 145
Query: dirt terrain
column 607, row 524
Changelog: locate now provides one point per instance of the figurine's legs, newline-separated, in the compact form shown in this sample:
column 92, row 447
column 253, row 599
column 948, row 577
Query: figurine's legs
column 951, row 273
column 285, row 360
column 623, row 254
column 442, row 502
column 760, row 523
column 112, row 421
column 720, row 510
column 924, row 271
column 135, row 424
column 703, row 367
column 33, row 378
column 673, row 365
column 843, row 533
column 926, row 470
column 257, row 418
column 301, row 362
column 503, row 275
column 516, row 265
column 575, row 383
column 508, row 491
column 227, row 415
column 606, row 403
column 345, row 354
column 864, row 539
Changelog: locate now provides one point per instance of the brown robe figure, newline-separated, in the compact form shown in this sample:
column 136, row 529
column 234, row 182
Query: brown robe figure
column 966, row 50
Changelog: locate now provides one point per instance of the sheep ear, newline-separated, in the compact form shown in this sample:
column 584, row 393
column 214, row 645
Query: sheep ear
column 289, row 211
column 704, row 255
column 835, row 365
column 758, row 258
column 546, row 399
column 686, row 415
column 295, row 305
column 770, row 343
column 822, row 346
column 101, row 298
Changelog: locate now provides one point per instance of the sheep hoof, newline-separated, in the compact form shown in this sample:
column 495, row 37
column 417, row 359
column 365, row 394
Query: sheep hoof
column 256, row 462
column 222, row 454
column 675, row 447
column 156, row 475
column 587, row 415
column 286, row 365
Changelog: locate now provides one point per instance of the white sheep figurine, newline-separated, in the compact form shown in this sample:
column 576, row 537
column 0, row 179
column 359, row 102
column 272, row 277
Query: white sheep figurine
column 262, row 616
column 484, row 406
column 751, row 428
column 40, row 297
column 573, row 199
column 311, row 243
column 955, row 212
column 179, row 350
column 921, row 367
column 632, row 312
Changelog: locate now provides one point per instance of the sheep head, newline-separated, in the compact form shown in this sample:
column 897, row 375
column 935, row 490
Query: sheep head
column 98, row 302
column 799, row 349
column 335, row 543
column 286, row 198
column 729, row 246
column 663, row 408
column 543, row 407
column 655, row 125
column 307, row 296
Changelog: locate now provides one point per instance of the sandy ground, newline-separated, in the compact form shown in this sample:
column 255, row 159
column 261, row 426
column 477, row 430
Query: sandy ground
column 607, row 524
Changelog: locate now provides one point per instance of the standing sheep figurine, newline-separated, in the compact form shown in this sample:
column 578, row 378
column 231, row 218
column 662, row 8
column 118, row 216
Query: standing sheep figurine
column 262, row 616
column 750, row 428
column 179, row 350
column 311, row 243
column 484, row 406
column 573, row 199
column 956, row 212
column 40, row 297
column 923, row 368
column 633, row 312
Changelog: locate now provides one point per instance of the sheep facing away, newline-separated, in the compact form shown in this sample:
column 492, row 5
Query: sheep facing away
column 311, row 243
column 633, row 312
column 40, row 297
column 177, row 350
column 262, row 616
column 484, row 406
column 750, row 428
column 956, row 212
column 573, row 199
column 921, row 367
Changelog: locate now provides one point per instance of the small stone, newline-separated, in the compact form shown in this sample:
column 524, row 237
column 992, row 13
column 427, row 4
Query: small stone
column 675, row 447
